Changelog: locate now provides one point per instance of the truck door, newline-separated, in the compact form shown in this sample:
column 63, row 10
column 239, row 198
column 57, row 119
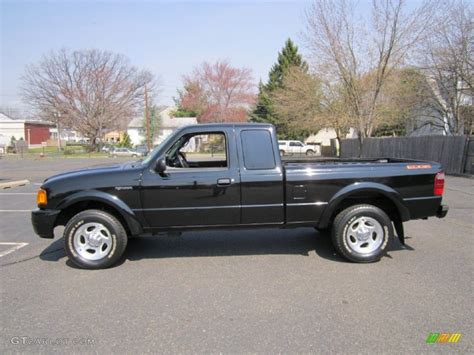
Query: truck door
column 261, row 177
column 201, row 185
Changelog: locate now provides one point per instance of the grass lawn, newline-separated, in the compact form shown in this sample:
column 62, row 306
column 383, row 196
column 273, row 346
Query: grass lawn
column 66, row 152
column 43, row 149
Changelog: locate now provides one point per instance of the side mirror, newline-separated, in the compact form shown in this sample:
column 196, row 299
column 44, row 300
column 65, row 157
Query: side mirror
column 160, row 166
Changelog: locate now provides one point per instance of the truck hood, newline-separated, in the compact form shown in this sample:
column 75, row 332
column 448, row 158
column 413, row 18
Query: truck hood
column 91, row 172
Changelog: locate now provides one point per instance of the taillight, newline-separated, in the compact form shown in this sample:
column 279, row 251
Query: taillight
column 439, row 184
column 42, row 198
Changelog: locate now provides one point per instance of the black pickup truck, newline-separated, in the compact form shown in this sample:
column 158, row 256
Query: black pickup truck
column 232, row 176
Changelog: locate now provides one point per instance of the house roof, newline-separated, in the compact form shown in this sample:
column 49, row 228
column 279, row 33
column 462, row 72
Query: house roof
column 166, row 119
column 4, row 117
column 177, row 122
column 136, row 122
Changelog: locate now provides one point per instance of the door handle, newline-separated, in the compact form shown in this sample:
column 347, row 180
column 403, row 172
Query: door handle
column 224, row 182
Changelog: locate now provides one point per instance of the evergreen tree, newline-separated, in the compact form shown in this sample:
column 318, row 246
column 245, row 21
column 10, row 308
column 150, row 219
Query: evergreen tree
column 126, row 142
column 154, row 122
column 263, row 110
column 288, row 57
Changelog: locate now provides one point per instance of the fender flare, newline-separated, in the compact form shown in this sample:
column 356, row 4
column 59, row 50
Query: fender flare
column 112, row 201
column 358, row 187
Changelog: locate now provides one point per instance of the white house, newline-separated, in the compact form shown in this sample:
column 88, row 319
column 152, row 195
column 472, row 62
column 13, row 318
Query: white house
column 33, row 132
column 136, row 131
column 12, row 128
column 167, row 125
column 67, row 135
column 324, row 136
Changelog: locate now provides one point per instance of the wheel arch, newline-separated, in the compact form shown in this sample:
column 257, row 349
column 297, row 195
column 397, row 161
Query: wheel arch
column 94, row 199
column 379, row 195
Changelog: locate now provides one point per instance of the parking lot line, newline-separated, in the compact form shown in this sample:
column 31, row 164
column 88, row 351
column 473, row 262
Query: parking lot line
column 15, row 247
column 2, row 211
column 17, row 193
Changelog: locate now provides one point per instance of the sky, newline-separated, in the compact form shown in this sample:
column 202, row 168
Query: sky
column 168, row 38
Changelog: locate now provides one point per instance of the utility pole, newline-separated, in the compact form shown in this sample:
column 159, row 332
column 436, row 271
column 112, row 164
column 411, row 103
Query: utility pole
column 57, row 115
column 147, row 119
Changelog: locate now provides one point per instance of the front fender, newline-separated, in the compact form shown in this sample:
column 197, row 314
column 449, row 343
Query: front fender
column 112, row 201
column 359, row 187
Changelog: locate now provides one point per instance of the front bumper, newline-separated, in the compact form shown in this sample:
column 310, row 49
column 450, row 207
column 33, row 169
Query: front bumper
column 43, row 222
column 442, row 211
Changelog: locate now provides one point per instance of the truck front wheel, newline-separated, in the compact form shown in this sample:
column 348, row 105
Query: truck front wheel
column 94, row 239
column 362, row 233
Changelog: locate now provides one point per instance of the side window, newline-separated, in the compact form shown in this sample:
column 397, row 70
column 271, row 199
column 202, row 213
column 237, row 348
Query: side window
column 202, row 150
column 257, row 149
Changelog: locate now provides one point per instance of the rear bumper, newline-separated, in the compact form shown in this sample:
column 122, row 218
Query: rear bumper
column 43, row 222
column 442, row 211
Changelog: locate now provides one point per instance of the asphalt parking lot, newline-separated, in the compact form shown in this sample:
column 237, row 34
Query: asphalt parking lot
column 270, row 291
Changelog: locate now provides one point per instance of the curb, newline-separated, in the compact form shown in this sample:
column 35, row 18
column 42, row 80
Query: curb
column 12, row 184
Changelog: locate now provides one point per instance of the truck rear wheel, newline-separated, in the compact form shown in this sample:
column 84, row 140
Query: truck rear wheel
column 94, row 239
column 362, row 233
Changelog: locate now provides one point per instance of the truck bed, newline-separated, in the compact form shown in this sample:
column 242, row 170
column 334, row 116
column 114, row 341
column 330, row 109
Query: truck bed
column 312, row 184
column 293, row 161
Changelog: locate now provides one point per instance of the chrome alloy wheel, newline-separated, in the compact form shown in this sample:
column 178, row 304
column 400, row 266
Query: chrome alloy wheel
column 364, row 235
column 92, row 241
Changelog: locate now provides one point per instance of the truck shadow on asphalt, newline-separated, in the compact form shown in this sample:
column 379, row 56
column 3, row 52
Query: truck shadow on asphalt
column 301, row 241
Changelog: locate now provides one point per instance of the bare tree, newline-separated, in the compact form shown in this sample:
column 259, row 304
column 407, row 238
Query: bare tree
column 306, row 102
column 448, row 63
column 218, row 92
column 92, row 91
column 360, row 55
column 334, row 113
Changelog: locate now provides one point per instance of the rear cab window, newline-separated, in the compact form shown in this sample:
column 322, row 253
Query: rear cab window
column 257, row 149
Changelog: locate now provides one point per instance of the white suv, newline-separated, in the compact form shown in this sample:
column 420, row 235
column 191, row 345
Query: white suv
column 295, row 147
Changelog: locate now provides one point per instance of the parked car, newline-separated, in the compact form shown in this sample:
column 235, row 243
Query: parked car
column 142, row 150
column 295, row 147
column 362, row 201
column 107, row 148
column 123, row 152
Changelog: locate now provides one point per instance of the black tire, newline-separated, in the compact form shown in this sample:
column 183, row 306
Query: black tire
column 282, row 152
column 368, row 242
column 116, row 239
column 310, row 152
column 134, row 155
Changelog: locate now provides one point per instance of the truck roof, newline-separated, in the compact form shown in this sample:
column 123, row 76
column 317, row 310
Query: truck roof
column 231, row 124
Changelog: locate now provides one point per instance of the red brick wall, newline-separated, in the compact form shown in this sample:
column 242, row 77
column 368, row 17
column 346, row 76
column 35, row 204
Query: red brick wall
column 38, row 133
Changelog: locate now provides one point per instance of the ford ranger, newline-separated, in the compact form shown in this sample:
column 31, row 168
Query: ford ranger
column 232, row 176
